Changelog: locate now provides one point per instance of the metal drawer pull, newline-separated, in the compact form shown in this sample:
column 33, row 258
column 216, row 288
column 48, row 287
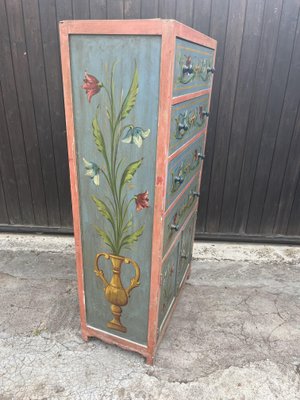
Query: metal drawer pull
column 202, row 156
column 196, row 194
column 175, row 227
column 205, row 113
column 212, row 70
column 178, row 179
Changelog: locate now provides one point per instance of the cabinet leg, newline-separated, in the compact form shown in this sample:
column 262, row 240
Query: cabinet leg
column 150, row 359
column 84, row 336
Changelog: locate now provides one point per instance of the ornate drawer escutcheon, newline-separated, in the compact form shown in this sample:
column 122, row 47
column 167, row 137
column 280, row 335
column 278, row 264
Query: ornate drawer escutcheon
column 187, row 119
column 195, row 68
column 183, row 168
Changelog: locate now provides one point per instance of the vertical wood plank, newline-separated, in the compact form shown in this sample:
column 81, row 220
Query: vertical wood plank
column 243, row 99
column 49, row 32
column 218, row 26
column 293, row 224
column 167, row 9
column 285, row 224
column 13, row 121
column 3, row 210
column 201, row 17
column 9, row 181
column 25, row 100
column 64, row 10
column 280, row 73
column 149, row 9
column 81, row 9
column 115, row 9
column 132, row 9
column 261, row 89
column 185, row 11
column 286, row 143
column 98, row 8
column 227, row 95
column 41, row 108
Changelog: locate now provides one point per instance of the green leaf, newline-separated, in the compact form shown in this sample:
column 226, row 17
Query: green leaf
column 99, row 140
column 103, row 209
column 129, row 239
column 105, row 237
column 130, row 98
column 129, row 172
column 127, row 226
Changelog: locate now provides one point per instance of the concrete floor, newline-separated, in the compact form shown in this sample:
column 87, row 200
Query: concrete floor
column 235, row 334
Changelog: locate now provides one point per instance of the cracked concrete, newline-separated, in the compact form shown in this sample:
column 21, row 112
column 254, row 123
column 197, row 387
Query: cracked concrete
column 234, row 336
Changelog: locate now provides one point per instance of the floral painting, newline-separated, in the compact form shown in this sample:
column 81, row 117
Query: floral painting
column 114, row 204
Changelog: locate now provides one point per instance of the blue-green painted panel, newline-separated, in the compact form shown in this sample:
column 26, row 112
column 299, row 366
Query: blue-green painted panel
column 187, row 119
column 186, row 251
column 192, row 62
column 168, row 283
column 182, row 168
column 116, row 135
column 177, row 216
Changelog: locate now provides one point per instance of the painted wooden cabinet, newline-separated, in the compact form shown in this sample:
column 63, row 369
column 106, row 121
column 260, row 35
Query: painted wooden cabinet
column 137, row 96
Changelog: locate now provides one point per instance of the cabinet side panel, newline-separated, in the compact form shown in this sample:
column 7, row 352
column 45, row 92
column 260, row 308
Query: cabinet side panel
column 116, row 137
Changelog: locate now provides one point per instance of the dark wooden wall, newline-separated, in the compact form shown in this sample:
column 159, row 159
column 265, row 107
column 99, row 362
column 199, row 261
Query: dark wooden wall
column 251, row 179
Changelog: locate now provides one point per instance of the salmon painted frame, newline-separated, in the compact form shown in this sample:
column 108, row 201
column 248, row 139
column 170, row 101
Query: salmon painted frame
column 169, row 30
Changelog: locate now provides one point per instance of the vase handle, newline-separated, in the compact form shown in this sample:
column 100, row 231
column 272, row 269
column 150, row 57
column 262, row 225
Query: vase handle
column 134, row 282
column 99, row 272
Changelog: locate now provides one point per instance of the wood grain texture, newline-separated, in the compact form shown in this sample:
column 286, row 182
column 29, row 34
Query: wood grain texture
column 242, row 103
column 262, row 84
column 13, row 121
column 274, row 113
column 98, row 9
column 231, row 61
column 218, row 26
column 55, row 97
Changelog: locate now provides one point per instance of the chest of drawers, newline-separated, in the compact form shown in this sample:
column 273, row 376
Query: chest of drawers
column 137, row 97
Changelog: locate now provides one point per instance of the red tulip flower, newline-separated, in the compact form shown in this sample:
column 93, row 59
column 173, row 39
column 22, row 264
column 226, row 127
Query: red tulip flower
column 91, row 86
column 142, row 200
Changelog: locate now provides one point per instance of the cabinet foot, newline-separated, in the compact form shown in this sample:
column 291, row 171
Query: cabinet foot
column 84, row 336
column 150, row 359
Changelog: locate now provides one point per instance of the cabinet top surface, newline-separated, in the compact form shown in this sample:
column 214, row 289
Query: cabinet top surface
column 136, row 27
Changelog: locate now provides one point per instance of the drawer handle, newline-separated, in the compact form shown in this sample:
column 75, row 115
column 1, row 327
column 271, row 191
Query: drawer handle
column 175, row 227
column 201, row 156
column 205, row 113
column 196, row 194
column 211, row 69
column 179, row 179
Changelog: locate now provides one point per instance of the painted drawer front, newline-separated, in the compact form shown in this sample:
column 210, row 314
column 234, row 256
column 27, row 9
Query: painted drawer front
column 168, row 283
column 182, row 168
column 187, row 119
column 176, row 217
column 192, row 70
column 185, row 254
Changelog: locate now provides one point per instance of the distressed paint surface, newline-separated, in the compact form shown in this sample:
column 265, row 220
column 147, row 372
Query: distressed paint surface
column 194, row 59
column 96, row 54
column 187, row 119
column 186, row 248
column 178, row 214
column 184, row 166
column 168, row 282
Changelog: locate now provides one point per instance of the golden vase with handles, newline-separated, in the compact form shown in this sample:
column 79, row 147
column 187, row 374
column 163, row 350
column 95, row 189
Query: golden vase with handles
column 114, row 291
